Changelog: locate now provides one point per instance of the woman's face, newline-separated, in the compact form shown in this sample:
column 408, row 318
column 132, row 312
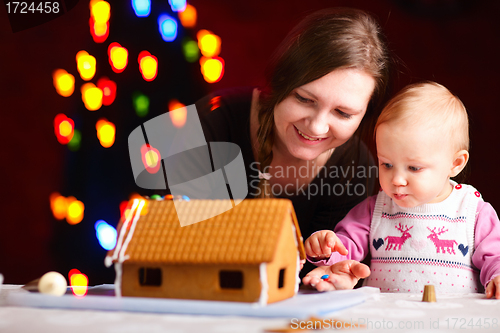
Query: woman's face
column 322, row 114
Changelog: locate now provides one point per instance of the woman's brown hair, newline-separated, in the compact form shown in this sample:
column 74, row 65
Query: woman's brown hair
column 322, row 42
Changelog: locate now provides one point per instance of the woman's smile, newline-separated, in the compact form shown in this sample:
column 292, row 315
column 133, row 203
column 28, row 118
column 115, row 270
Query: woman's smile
column 308, row 139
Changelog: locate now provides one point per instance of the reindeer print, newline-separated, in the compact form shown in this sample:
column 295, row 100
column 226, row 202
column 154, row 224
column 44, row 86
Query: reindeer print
column 443, row 244
column 395, row 242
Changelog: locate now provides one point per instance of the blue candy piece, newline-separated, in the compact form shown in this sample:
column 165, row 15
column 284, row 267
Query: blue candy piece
column 324, row 277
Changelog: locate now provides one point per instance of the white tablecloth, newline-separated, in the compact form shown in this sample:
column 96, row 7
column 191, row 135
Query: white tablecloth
column 380, row 313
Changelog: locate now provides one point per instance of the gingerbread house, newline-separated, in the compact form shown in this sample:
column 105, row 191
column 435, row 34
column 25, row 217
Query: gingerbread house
column 250, row 253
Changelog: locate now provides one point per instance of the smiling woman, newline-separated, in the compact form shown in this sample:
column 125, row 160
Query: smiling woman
column 324, row 87
column 321, row 115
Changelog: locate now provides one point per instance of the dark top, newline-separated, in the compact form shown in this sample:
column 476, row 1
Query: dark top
column 350, row 175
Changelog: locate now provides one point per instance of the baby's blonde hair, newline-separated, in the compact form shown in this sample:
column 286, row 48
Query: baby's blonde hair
column 432, row 105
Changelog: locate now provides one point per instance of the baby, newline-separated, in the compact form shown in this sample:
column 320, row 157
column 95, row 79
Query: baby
column 422, row 228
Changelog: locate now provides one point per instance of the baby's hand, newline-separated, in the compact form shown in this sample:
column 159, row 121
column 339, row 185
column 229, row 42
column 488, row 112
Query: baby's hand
column 493, row 288
column 322, row 243
column 341, row 275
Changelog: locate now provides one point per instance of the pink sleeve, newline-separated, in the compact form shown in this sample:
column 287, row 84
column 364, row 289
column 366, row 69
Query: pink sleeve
column 353, row 231
column 486, row 256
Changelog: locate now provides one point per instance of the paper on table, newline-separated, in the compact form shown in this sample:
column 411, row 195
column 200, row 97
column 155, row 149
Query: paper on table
column 304, row 305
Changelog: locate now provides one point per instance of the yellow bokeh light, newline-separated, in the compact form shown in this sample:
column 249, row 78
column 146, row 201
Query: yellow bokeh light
column 145, row 206
column 119, row 57
column 105, row 132
column 151, row 158
column 79, row 283
column 201, row 33
column 149, row 67
column 188, row 17
column 81, row 54
column 178, row 113
column 100, row 11
column 59, row 205
column 91, row 96
column 100, row 29
column 209, row 44
column 93, row 2
column 126, row 214
column 75, row 212
column 65, row 128
column 134, row 196
column 68, row 208
column 63, row 82
column 99, row 124
column 66, row 84
column 86, row 65
column 212, row 69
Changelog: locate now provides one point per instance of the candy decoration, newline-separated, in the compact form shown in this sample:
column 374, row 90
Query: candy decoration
column 51, row 283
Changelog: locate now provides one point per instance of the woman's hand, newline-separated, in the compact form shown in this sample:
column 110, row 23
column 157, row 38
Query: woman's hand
column 493, row 288
column 321, row 244
column 341, row 275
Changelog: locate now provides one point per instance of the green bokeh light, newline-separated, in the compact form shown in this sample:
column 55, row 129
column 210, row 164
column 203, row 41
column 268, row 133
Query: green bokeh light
column 190, row 49
column 76, row 141
column 141, row 104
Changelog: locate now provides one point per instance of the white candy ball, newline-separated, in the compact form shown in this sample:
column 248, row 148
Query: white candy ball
column 52, row 283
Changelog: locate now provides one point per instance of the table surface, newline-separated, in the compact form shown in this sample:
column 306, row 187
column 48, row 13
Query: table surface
column 382, row 312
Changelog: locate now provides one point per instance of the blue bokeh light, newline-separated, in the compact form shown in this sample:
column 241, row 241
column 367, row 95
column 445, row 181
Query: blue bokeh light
column 106, row 234
column 168, row 27
column 177, row 5
column 142, row 8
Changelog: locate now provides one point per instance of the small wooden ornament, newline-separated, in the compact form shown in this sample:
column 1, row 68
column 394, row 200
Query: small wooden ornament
column 51, row 283
column 429, row 294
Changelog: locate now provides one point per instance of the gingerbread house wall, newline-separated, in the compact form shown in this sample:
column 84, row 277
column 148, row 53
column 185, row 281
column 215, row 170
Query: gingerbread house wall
column 261, row 283
column 193, row 282
column 286, row 257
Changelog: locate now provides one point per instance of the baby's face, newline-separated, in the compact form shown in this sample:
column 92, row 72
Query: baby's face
column 415, row 164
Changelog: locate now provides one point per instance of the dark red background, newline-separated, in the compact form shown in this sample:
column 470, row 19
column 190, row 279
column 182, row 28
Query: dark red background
column 452, row 42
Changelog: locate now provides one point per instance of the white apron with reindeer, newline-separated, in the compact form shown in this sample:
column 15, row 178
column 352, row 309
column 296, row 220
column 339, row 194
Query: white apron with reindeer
column 427, row 244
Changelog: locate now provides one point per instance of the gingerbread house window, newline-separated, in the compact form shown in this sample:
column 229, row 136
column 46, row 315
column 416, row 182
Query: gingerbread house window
column 281, row 278
column 150, row 276
column 231, row 279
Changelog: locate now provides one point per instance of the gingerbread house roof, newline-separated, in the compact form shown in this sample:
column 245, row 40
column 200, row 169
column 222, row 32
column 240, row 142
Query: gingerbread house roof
column 246, row 234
